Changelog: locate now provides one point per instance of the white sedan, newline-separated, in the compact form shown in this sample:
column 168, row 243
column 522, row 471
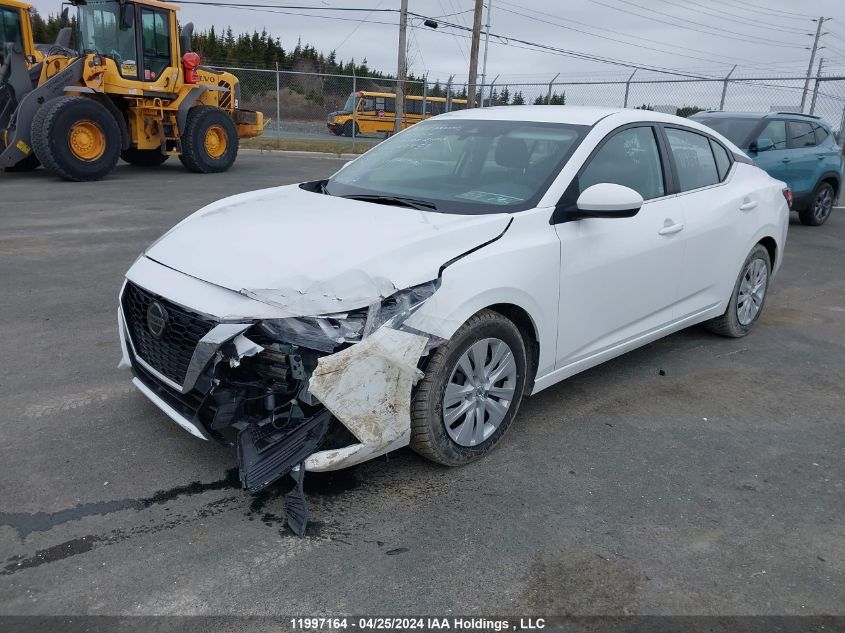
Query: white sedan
column 420, row 292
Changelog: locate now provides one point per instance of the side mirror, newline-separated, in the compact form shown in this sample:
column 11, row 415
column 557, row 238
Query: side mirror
column 608, row 200
column 762, row 145
column 127, row 16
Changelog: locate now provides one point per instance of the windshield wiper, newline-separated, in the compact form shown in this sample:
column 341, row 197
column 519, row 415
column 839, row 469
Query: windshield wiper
column 399, row 201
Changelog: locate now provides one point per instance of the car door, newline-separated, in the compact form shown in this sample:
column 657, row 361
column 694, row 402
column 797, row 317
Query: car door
column 803, row 161
column 774, row 161
column 619, row 277
column 719, row 216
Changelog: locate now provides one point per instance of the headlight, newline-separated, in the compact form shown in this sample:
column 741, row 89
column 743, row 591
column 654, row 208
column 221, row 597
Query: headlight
column 325, row 332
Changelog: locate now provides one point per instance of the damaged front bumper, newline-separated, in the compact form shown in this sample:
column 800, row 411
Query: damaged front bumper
column 289, row 394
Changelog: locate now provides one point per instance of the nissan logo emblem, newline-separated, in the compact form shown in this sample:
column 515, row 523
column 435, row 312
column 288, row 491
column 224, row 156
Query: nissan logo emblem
column 156, row 319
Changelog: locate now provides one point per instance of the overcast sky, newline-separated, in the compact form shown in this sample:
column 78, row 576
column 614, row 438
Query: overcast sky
column 762, row 36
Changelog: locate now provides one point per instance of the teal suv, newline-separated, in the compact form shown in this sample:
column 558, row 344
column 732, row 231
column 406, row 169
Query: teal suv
column 797, row 148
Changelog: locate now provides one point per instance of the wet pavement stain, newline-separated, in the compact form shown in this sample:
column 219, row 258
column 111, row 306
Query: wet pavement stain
column 316, row 484
column 52, row 554
column 26, row 523
column 86, row 543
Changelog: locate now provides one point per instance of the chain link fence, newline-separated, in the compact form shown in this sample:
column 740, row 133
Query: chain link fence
column 296, row 105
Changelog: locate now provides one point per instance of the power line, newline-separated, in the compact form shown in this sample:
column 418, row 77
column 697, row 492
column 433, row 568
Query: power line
column 357, row 26
column 731, row 60
column 723, row 15
column 719, row 32
column 757, row 11
column 457, row 41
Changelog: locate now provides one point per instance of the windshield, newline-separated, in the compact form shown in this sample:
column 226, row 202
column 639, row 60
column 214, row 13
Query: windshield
column 100, row 32
column 464, row 166
column 738, row 130
column 349, row 106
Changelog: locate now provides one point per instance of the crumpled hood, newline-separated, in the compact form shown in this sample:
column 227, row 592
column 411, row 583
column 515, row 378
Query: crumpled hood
column 316, row 254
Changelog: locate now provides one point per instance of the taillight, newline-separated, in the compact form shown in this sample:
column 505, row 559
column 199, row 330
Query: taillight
column 787, row 193
column 190, row 63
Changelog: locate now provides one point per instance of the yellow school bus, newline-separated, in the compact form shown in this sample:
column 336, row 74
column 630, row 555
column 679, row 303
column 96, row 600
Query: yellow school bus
column 375, row 112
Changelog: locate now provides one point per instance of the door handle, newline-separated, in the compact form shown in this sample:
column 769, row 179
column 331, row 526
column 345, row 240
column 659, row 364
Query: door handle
column 785, row 160
column 747, row 206
column 669, row 230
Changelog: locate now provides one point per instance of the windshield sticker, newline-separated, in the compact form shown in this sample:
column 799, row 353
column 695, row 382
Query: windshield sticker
column 129, row 68
column 490, row 198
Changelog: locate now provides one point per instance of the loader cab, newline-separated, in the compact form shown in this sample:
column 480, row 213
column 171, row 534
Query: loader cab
column 140, row 37
column 15, row 28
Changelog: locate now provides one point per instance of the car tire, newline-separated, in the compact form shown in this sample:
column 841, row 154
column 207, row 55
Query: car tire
column 820, row 207
column 143, row 157
column 439, row 431
column 76, row 138
column 741, row 315
column 347, row 129
column 210, row 141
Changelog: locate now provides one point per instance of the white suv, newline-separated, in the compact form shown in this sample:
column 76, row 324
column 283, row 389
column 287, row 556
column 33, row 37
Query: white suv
column 415, row 296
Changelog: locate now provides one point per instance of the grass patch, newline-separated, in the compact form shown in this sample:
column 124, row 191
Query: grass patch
column 305, row 145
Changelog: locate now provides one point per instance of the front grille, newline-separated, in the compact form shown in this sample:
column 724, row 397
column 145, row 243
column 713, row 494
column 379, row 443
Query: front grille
column 171, row 354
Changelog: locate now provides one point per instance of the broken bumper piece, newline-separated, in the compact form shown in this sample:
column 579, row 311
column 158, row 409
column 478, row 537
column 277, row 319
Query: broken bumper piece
column 287, row 403
column 262, row 465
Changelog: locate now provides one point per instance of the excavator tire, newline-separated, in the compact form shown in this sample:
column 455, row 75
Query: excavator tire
column 209, row 141
column 76, row 138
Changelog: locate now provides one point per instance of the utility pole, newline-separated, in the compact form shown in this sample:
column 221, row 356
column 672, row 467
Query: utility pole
column 816, row 86
column 400, row 73
column 484, row 63
column 473, row 53
column 812, row 59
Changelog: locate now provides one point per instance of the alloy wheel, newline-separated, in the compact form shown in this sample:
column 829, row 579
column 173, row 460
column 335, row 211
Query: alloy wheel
column 752, row 291
column 480, row 391
column 823, row 204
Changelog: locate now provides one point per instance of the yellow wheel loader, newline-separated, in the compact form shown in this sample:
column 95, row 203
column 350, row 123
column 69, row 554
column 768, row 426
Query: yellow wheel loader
column 131, row 89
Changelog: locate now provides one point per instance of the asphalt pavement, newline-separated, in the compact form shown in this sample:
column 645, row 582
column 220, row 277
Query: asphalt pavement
column 696, row 475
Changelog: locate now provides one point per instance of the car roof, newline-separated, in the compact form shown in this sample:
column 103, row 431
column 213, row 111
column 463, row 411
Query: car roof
column 610, row 118
column 574, row 115
column 716, row 114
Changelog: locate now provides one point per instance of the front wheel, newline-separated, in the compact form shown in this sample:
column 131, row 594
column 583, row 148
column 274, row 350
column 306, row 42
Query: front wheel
column 209, row 141
column 748, row 298
column 471, row 391
column 821, row 204
column 76, row 138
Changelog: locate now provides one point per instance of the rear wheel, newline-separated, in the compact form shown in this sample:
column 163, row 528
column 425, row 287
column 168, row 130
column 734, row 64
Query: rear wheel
column 76, row 138
column 209, row 141
column 748, row 297
column 821, row 204
column 143, row 157
column 471, row 391
column 347, row 129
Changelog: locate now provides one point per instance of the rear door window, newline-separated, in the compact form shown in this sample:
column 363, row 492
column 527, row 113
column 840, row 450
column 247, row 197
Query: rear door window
column 801, row 135
column 821, row 134
column 694, row 159
column 723, row 161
